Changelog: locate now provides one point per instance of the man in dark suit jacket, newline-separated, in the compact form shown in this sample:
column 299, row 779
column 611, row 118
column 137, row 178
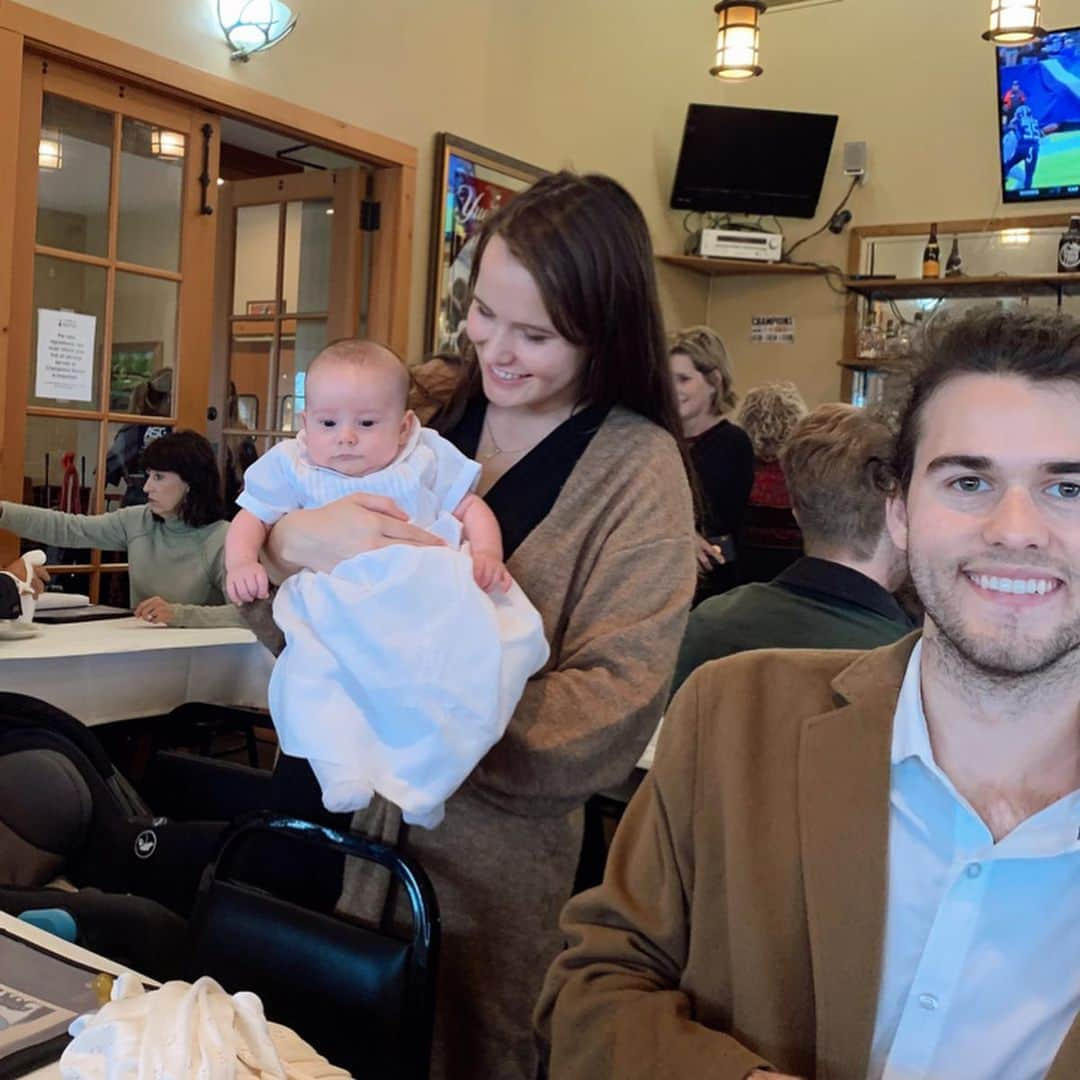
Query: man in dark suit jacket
column 839, row 595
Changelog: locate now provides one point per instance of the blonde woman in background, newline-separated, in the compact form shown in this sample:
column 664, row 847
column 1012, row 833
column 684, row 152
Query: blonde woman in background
column 720, row 451
column 771, row 540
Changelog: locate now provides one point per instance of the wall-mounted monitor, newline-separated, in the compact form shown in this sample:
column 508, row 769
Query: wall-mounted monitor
column 1038, row 109
column 752, row 161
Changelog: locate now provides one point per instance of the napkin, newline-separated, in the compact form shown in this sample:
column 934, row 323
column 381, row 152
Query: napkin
column 184, row 1030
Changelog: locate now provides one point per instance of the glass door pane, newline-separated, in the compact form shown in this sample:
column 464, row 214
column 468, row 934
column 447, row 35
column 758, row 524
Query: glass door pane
column 256, row 264
column 298, row 349
column 70, row 375
column 144, row 345
column 308, row 226
column 74, row 167
column 151, row 194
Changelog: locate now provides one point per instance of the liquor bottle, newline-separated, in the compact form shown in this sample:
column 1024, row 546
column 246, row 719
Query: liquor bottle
column 1069, row 248
column 931, row 260
column 954, row 265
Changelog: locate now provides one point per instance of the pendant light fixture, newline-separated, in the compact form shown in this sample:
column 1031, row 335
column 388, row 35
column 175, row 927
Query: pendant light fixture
column 1015, row 22
column 252, row 26
column 50, row 153
column 167, row 144
column 737, row 39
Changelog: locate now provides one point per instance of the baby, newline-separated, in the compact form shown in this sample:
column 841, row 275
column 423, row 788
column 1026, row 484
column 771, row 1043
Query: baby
column 402, row 666
column 355, row 424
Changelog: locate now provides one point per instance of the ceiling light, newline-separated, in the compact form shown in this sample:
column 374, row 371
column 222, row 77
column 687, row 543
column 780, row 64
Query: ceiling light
column 1015, row 22
column 166, row 144
column 251, row 26
column 737, row 39
column 50, row 153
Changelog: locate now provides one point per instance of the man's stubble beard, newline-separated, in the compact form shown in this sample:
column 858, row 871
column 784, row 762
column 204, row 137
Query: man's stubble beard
column 1008, row 657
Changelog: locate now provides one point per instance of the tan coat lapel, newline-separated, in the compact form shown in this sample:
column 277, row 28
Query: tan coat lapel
column 1067, row 1063
column 844, row 775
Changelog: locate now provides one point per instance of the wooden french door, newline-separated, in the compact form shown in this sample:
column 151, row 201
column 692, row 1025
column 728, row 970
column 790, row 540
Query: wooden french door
column 293, row 250
column 112, row 298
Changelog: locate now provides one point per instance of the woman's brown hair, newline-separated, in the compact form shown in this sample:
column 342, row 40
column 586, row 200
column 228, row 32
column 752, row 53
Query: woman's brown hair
column 585, row 242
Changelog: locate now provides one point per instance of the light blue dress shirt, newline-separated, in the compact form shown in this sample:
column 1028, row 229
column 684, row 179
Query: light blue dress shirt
column 981, row 974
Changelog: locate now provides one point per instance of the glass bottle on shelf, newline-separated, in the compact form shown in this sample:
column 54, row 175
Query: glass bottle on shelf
column 954, row 266
column 1069, row 248
column 917, row 332
column 889, row 351
column 869, row 339
column 931, row 260
column 902, row 343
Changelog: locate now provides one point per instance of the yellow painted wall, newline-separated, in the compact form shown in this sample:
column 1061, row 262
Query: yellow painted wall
column 604, row 84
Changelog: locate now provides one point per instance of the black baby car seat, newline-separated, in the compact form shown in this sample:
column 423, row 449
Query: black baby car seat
column 128, row 878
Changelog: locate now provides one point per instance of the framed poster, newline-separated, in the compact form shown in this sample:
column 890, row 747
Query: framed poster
column 262, row 307
column 133, row 363
column 471, row 182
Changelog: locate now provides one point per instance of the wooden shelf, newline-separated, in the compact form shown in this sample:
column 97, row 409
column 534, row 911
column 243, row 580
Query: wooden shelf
column 943, row 288
column 738, row 267
column 891, row 365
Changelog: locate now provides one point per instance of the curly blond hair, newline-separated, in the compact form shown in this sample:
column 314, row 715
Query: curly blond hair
column 704, row 348
column 769, row 414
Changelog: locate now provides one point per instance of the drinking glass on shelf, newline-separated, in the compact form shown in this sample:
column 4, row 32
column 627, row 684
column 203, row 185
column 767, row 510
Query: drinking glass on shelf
column 870, row 341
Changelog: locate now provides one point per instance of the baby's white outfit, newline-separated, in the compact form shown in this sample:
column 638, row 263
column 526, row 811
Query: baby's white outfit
column 399, row 672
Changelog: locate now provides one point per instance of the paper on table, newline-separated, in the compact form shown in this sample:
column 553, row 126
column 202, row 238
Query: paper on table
column 54, row 601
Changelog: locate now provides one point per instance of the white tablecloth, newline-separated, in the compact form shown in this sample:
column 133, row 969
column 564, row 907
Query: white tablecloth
column 118, row 669
column 62, row 948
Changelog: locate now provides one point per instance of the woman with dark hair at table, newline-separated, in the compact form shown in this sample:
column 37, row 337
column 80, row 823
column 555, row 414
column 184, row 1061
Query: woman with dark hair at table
column 569, row 407
column 175, row 543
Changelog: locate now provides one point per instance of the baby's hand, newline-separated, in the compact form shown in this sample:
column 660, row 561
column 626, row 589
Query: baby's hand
column 490, row 573
column 247, row 582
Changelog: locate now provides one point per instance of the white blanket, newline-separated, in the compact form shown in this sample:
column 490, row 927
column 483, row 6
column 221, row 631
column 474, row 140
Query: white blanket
column 398, row 675
column 186, row 1030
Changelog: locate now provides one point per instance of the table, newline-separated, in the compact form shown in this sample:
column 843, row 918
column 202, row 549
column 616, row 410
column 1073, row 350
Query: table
column 56, row 945
column 121, row 669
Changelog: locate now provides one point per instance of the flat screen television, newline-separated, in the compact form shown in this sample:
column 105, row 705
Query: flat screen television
column 752, row 161
column 1038, row 108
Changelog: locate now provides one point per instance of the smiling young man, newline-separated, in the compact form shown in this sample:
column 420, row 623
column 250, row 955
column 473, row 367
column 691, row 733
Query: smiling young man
column 849, row 865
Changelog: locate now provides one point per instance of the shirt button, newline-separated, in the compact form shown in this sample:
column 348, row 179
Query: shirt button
column 973, row 869
column 928, row 1002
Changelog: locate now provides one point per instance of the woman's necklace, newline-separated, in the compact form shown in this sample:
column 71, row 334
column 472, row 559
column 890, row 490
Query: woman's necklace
column 498, row 451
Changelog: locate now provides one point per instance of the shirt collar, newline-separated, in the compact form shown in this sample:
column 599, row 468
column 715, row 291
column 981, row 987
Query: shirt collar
column 809, row 574
column 1050, row 832
column 911, row 736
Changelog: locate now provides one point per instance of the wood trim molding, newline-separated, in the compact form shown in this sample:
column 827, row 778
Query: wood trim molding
column 102, row 53
column 11, row 46
column 388, row 304
column 968, row 225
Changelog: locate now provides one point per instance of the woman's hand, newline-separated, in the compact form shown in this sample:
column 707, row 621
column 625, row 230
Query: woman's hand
column 38, row 578
column 320, row 539
column 156, row 610
column 708, row 555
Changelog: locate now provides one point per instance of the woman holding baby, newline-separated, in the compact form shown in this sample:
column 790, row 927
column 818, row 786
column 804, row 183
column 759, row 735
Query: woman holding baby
column 569, row 410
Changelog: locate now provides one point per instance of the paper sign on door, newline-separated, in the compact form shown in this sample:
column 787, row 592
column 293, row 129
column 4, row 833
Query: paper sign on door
column 65, row 355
